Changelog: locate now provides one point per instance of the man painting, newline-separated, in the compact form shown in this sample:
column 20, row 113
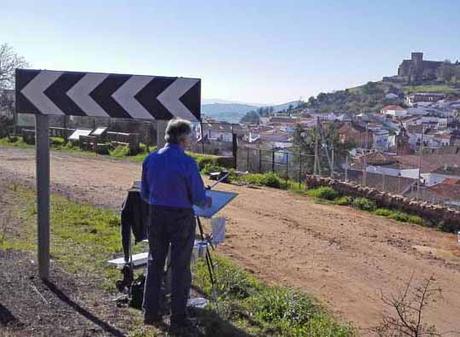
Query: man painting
column 171, row 184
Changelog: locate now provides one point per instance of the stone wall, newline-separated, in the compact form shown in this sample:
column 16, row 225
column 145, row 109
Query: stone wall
column 443, row 217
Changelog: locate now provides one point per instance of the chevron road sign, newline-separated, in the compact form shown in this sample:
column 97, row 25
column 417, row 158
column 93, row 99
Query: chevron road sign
column 47, row 92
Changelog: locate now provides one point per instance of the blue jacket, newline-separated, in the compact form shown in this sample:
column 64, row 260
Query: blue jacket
column 171, row 178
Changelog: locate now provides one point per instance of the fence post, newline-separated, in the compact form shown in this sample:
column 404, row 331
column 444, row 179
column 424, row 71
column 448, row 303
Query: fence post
column 202, row 138
column 247, row 159
column 346, row 167
column 300, row 168
column 234, row 148
column 273, row 160
column 260, row 161
column 287, row 168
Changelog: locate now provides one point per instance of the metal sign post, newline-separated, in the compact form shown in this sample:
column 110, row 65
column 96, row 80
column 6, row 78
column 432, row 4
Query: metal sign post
column 43, row 194
column 161, row 131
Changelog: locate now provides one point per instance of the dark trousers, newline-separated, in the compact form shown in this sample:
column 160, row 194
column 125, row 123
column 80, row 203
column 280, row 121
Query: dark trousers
column 176, row 227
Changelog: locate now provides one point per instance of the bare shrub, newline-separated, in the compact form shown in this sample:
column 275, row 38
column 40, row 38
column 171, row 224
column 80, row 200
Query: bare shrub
column 405, row 317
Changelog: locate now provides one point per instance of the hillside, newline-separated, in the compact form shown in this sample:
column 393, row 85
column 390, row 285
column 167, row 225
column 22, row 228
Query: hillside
column 370, row 97
column 228, row 112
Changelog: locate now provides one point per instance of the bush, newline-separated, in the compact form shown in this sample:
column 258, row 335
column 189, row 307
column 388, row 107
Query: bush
column 399, row 216
column 209, row 168
column 383, row 212
column 323, row 192
column 344, row 200
column 416, row 219
column 271, row 180
column 57, row 141
column 364, row 204
column 119, row 152
column 266, row 179
column 203, row 160
column 296, row 187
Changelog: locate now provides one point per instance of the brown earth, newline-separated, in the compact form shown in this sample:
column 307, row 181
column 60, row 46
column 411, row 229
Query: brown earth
column 344, row 257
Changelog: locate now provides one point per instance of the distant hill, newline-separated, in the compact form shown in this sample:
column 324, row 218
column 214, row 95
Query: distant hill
column 285, row 106
column 226, row 112
column 233, row 112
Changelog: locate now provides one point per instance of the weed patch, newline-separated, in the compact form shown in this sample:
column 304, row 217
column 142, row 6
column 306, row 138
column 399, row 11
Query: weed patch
column 364, row 204
column 265, row 310
column 323, row 192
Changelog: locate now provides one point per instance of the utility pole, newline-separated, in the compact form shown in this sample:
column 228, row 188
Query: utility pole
column 366, row 139
column 420, row 162
column 315, row 163
column 332, row 161
column 346, row 167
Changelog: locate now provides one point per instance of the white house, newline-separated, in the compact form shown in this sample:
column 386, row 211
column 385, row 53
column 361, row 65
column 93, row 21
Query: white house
column 381, row 139
column 394, row 111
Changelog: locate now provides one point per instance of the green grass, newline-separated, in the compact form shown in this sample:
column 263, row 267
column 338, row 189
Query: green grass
column 266, row 310
column 323, row 192
column 364, row 204
column 435, row 88
column 263, row 179
column 327, row 194
column 120, row 151
column 399, row 216
column 344, row 200
column 14, row 142
column 84, row 237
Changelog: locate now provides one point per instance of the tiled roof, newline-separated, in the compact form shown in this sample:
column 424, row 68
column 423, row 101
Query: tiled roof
column 430, row 162
column 450, row 191
column 392, row 107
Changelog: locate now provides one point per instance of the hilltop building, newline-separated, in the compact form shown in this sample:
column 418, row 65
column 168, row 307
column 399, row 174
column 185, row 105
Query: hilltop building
column 417, row 69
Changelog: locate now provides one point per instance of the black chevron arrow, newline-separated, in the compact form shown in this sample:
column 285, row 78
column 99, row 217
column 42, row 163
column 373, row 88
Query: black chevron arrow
column 192, row 99
column 23, row 77
column 148, row 97
column 57, row 93
column 103, row 95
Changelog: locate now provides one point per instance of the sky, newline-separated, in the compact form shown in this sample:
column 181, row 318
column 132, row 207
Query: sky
column 249, row 51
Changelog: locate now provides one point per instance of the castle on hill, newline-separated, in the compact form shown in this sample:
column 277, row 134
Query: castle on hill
column 418, row 69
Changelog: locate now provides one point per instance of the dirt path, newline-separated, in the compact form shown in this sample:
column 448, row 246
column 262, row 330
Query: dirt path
column 344, row 257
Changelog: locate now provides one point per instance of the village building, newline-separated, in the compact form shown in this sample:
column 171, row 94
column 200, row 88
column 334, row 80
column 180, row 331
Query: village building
column 393, row 111
column 356, row 134
column 423, row 97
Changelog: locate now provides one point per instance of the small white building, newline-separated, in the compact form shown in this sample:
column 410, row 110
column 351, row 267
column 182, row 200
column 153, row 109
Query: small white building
column 381, row 139
column 394, row 111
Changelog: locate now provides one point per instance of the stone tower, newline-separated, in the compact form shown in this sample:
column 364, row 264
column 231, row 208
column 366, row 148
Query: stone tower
column 402, row 143
column 417, row 58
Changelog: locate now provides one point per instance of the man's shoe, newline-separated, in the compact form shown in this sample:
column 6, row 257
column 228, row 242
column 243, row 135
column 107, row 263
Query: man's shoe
column 152, row 319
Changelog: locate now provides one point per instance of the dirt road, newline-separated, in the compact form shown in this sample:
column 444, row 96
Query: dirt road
column 344, row 257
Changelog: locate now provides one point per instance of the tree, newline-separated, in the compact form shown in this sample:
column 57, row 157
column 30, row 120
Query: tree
column 446, row 71
column 251, row 117
column 9, row 61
